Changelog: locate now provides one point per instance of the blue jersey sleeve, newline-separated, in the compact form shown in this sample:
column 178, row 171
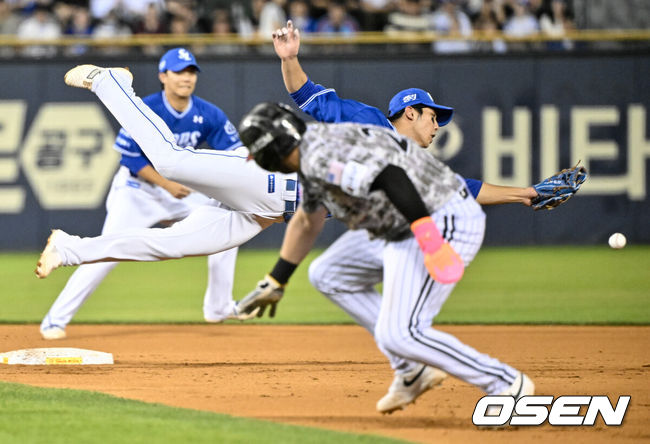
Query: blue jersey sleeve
column 223, row 134
column 324, row 105
column 132, row 156
column 474, row 186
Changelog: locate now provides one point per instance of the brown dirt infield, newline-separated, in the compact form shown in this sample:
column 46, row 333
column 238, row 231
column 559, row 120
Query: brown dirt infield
column 331, row 376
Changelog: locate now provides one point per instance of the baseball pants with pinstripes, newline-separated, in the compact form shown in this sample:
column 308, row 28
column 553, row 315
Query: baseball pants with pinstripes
column 401, row 321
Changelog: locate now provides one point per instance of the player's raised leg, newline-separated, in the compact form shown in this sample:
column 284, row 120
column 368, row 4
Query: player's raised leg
column 226, row 176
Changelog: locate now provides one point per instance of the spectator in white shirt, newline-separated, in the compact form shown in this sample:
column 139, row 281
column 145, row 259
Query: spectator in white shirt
column 39, row 26
column 126, row 9
column 450, row 20
column 272, row 17
column 523, row 23
column 409, row 17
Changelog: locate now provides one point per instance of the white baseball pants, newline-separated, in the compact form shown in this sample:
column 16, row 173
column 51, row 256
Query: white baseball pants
column 347, row 273
column 206, row 230
column 133, row 202
column 402, row 319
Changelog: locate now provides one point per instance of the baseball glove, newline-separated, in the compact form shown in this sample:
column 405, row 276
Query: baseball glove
column 268, row 292
column 557, row 189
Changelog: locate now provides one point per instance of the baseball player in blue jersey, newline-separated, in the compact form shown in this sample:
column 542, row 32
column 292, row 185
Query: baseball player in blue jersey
column 430, row 227
column 348, row 270
column 141, row 197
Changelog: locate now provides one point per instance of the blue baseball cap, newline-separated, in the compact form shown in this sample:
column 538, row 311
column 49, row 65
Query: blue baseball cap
column 416, row 96
column 176, row 60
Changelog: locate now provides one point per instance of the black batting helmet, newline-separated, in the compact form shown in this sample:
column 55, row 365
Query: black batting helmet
column 271, row 131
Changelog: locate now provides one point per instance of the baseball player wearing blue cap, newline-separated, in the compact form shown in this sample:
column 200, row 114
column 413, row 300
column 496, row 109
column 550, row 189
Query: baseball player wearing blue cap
column 176, row 60
column 349, row 269
column 416, row 96
column 141, row 197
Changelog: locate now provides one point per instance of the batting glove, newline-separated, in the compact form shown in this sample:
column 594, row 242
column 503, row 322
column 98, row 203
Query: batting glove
column 268, row 292
column 442, row 262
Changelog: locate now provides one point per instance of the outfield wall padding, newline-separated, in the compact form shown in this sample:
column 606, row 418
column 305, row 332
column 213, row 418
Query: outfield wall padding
column 517, row 119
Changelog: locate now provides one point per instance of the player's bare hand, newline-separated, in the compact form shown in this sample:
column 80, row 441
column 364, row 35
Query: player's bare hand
column 286, row 41
column 176, row 189
column 530, row 194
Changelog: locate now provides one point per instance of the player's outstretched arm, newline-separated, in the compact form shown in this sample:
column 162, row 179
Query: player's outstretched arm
column 286, row 42
column 302, row 231
column 498, row 194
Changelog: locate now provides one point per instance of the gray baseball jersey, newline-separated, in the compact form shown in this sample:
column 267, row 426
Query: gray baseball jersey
column 340, row 178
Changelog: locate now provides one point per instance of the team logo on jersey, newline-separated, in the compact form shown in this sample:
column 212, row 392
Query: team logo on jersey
column 197, row 119
column 229, row 128
column 188, row 138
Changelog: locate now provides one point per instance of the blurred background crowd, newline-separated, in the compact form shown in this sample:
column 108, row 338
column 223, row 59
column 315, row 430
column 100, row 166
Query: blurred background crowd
column 463, row 19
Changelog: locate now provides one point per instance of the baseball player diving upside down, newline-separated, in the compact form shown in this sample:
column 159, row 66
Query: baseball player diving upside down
column 252, row 198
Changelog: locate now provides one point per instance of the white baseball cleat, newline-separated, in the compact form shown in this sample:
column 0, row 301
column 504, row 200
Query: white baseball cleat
column 406, row 388
column 523, row 386
column 82, row 76
column 50, row 259
column 53, row 332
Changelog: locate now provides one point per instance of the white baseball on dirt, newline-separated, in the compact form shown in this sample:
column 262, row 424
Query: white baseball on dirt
column 617, row 241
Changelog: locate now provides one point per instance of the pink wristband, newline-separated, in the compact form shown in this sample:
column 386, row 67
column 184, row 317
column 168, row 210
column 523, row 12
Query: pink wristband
column 427, row 234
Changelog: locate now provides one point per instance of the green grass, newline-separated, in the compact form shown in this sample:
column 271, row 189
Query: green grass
column 37, row 415
column 148, row 292
column 568, row 285
column 548, row 285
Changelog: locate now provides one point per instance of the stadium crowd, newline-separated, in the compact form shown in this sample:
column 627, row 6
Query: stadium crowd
column 51, row 19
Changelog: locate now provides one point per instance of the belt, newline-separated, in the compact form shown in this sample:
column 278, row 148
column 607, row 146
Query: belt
column 291, row 205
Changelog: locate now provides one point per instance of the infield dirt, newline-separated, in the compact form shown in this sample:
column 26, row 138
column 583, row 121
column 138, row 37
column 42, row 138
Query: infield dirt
column 332, row 376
